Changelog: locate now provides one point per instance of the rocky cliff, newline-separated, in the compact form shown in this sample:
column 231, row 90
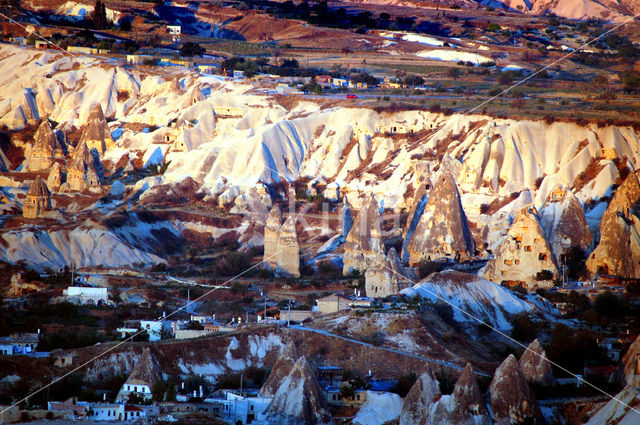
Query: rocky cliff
column 465, row 406
column 364, row 239
column 512, row 401
column 618, row 252
column 443, row 229
column 420, row 399
column 535, row 366
column 299, row 399
column 281, row 369
column 564, row 223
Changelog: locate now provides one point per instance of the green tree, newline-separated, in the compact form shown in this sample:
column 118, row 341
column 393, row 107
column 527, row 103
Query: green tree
column 453, row 73
column 524, row 329
column 347, row 392
column 158, row 391
column 609, row 306
column 190, row 49
column 99, row 16
column 125, row 24
column 630, row 80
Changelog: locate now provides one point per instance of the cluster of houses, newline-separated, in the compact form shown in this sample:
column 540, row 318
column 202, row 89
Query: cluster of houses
column 135, row 398
column 329, row 81
column 19, row 344
column 177, row 329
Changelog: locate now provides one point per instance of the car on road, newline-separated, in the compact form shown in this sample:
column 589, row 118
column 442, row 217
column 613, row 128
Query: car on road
column 352, row 96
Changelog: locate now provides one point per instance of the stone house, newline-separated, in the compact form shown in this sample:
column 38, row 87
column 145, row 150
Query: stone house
column 38, row 199
column 385, row 276
column 82, row 172
column 46, row 148
column 524, row 256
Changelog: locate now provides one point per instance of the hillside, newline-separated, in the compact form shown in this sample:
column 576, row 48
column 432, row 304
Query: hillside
column 232, row 142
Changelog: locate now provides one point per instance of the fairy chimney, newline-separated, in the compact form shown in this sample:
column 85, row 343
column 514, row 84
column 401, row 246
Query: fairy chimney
column 38, row 199
column 96, row 133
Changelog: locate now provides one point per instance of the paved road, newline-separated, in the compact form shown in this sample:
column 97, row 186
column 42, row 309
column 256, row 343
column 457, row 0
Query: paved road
column 391, row 350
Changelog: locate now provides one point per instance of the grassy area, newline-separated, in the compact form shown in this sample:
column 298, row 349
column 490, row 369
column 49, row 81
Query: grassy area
column 414, row 69
column 237, row 47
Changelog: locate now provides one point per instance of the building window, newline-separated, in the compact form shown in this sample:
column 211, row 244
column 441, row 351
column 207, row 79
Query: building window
column 527, row 248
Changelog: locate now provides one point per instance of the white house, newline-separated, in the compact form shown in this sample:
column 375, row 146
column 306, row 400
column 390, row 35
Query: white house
column 133, row 412
column 144, row 375
column 6, row 349
column 246, row 409
column 156, row 328
column 19, row 343
column 87, row 295
column 106, row 412
column 174, row 29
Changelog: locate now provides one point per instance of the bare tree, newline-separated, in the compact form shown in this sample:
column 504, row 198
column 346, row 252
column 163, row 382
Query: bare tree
column 277, row 55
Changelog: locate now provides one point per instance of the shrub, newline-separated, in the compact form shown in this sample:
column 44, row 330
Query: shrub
column 495, row 91
column 544, row 275
column 426, row 267
column 190, row 49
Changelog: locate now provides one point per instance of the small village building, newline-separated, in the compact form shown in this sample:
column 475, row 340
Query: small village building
column 83, row 50
column 106, row 412
column 9, row 414
column 157, row 329
column 38, row 199
column 18, row 287
column 330, row 376
column 215, row 408
column 237, row 407
column 175, row 31
column 144, row 375
column 63, row 360
column 324, row 79
column 19, row 344
column 133, row 412
column 46, row 148
column 137, row 59
column 43, row 45
column 70, row 408
column 340, row 82
column 297, row 315
column 87, row 295
column 208, row 68
column 333, row 303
